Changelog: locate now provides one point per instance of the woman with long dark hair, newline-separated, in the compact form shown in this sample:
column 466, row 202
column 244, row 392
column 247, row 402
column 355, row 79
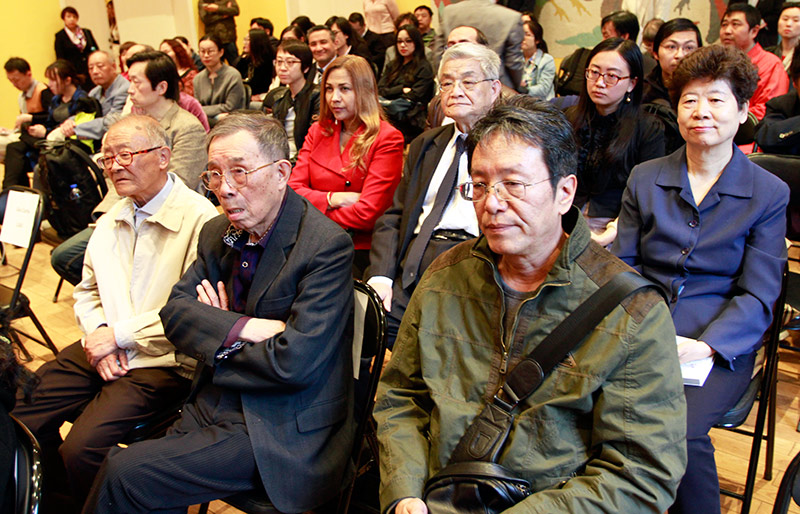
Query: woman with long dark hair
column 255, row 63
column 183, row 61
column 352, row 159
column 409, row 77
column 613, row 133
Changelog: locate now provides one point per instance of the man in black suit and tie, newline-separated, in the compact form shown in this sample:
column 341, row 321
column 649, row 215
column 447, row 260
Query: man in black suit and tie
column 427, row 217
column 266, row 306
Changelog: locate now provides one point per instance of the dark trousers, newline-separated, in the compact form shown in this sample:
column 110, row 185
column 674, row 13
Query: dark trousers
column 16, row 171
column 102, row 414
column 699, row 488
column 206, row 455
column 401, row 296
column 231, row 53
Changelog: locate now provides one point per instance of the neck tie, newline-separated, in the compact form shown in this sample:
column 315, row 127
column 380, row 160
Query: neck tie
column 443, row 196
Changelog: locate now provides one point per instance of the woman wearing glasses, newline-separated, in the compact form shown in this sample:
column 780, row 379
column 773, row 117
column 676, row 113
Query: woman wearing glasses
column 708, row 226
column 351, row 160
column 219, row 87
column 613, row 133
column 296, row 104
column 410, row 78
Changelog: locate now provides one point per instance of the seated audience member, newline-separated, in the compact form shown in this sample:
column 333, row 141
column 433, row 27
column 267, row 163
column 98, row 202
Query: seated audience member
column 779, row 131
column 614, row 134
column 293, row 32
column 320, row 41
column 436, row 116
column 590, row 438
column 111, row 92
column 390, row 52
column 377, row 50
column 410, row 78
column 198, row 62
column 153, row 92
column 346, row 40
column 351, row 160
column 427, row 217
column 34, row 98
column 13, row 377
column 75, row 44
column 722, row 270
column 124, row 369
column 63, row 82
column 266, row 25
column 219, row 87
column 503, row 27
column 296, row 104
column 278, row 413
column 674, row 40
column 649, row 32
column 135, row 48
column 538, row 77
column 424, row 16
column 255, row 64
column 739, row 29
column 789, row 30
column 304, row 23
column 186, row 68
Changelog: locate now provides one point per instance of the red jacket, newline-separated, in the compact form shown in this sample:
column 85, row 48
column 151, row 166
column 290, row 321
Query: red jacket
column 321, row 169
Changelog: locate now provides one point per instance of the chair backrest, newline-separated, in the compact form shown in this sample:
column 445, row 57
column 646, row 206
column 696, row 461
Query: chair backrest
column 789, row 489
column 786, row 168
column 373, row 349
column 31, row 239
column 27, row 471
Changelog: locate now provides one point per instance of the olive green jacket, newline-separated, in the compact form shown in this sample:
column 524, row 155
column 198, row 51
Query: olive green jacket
column 605, row 432
column 220, row 22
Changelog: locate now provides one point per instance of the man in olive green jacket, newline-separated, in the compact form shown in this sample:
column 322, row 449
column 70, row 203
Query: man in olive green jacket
column 218, row 18
column 605, row 431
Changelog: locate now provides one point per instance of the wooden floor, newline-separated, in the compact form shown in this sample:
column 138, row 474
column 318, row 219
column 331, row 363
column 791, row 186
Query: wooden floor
column 732, row 449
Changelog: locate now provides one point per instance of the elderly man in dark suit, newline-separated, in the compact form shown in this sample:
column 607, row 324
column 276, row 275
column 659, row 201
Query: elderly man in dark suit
column 266, row 306
column 421, row 224
column 503, row 27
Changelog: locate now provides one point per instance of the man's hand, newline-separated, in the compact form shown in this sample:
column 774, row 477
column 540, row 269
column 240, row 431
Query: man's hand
column 258, row 329
column 22, row 118
column 37, row 130
column 113, row 366
column 68, row 128
column 691, row 350
column 215, row 298
column 99, row 344
column 411, row 506
column 211, row 7
column 385, row 292
column 344, row 199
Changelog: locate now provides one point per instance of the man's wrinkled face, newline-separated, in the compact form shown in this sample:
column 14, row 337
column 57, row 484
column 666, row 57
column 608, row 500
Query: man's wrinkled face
column 146, row 174
column 102, row 69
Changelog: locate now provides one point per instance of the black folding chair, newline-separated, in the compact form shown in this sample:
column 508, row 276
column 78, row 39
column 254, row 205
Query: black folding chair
column 13, row 302
column 789, row 490
column 27, row 471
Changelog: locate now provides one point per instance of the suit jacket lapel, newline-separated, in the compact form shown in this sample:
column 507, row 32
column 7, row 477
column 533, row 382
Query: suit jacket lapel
column 274, row 256
column 433, row 154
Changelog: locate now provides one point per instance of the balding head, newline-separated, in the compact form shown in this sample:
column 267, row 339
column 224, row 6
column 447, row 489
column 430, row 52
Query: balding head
column 102, row 69
column 466, row 34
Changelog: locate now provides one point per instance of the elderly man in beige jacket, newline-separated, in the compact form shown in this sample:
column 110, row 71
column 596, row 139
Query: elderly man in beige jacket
column 124, row 369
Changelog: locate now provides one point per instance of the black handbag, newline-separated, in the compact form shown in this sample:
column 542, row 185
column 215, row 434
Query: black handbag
column 472, row 482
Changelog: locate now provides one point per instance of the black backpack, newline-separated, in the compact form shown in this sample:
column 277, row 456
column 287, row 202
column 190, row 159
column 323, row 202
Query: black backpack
column 571, row 73
column 73, row 184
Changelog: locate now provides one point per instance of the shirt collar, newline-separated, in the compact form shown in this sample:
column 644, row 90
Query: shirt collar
column 32, row 89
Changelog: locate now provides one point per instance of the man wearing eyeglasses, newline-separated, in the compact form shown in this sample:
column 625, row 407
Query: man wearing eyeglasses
column 266, row 307
column 124, row 369
column 421, row 224
column 605, row 426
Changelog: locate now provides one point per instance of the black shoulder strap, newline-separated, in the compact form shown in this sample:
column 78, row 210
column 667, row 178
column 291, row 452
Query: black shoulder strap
column 486, row 435
column 526, row 376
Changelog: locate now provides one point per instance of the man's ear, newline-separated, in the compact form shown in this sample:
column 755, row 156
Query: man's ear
column 284, row 169
column 161, row 88
column 565, row 193
column 164, row 155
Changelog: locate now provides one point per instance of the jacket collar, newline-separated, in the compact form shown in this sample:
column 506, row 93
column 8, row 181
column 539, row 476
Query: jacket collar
column 736, row 179
column 169, row 216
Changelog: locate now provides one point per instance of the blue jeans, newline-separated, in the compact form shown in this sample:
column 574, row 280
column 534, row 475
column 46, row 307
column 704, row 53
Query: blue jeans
column 67, row 258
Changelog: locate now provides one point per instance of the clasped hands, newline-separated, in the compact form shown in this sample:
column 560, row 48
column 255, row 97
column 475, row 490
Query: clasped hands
column 102, row 352
column 255, row 330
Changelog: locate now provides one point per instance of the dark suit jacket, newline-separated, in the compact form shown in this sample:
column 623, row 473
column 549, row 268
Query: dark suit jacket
column 66, row 49
column 395, row 229
column 779, row 131
column 295, row 388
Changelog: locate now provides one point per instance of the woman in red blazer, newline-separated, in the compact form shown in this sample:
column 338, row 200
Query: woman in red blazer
column 352, row 159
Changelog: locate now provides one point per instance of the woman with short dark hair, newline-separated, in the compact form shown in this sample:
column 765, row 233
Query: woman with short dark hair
column 613, row 133
column 75, row 44
column 708, row 226
column 674, row 40
column 219, row 87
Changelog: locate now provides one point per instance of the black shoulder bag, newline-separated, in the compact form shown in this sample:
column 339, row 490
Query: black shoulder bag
column 472, row 481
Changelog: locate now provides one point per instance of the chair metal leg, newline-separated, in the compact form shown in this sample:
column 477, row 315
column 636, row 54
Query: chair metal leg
column 12, row 334
column 42, row 331
column 58, row 289
column 771, row 415
column 203, row 509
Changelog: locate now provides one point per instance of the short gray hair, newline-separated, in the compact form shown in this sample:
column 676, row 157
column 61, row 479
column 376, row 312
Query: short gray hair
column 486, row 57
column 266, row 130
column 152, row 130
